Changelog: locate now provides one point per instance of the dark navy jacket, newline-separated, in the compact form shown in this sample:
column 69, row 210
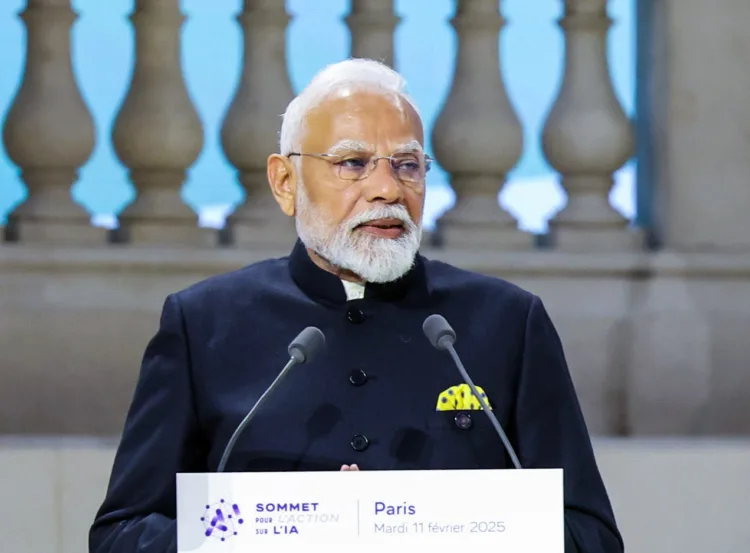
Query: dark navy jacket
column 369, row 397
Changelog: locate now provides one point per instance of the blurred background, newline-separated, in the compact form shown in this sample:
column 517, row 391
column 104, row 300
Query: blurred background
column 594, row 152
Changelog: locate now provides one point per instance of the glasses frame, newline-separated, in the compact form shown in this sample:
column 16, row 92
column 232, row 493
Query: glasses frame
column 372, row 165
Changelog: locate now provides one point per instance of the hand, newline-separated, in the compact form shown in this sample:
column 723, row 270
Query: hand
column 349, row 467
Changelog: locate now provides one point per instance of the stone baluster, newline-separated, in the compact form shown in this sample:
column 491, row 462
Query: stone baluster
column 250, row 130
column 157, row 133
column 587, row 136
column 371, row 27
column 477, row 137
column 49, row 133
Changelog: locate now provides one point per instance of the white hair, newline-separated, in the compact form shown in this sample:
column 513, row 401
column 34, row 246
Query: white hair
column 359, row 74
column 371, row 258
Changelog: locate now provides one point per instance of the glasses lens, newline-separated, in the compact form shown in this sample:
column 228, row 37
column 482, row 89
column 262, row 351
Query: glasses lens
column 409, row 168
column 352, row 167
column 406, row 168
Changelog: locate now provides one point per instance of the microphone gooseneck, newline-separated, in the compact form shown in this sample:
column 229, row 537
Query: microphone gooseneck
column 302, row 349
column 442, row 337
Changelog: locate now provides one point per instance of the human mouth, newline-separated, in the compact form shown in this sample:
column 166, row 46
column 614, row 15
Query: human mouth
column 383, row 228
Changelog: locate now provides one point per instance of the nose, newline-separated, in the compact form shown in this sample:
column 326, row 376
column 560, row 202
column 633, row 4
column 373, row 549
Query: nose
column 382, row 186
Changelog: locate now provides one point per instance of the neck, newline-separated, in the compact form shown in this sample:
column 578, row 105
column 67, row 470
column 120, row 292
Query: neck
column 343, row 274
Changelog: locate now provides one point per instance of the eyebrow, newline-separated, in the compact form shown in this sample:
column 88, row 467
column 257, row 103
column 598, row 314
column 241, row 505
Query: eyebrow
column 409, row 147
column 344, row 146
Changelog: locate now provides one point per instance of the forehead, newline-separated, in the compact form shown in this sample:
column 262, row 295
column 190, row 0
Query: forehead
column 381, row 121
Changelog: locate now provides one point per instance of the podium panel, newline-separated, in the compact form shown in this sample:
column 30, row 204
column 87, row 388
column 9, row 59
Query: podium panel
column 514, row 511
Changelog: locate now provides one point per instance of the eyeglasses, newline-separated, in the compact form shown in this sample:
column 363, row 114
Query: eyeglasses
column 407, row 168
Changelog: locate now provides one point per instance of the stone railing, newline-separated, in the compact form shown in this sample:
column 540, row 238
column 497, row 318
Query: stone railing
column 656, row 340
column 49, row 132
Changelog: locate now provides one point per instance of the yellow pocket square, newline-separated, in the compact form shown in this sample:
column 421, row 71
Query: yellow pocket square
column 460, row 398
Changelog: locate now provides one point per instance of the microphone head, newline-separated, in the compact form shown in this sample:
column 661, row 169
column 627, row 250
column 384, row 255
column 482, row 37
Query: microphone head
column 307, row 344
column 438, row 332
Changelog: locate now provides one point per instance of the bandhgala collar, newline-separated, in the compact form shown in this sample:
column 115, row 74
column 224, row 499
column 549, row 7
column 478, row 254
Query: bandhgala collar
column 326, row 287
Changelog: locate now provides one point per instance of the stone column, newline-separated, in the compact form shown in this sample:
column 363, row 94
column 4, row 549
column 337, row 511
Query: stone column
column 49, row 133
column 250, row 130
column 157, row 133
column 696, row 116
column 588, row 137
column 372, row 26
column 477, row 137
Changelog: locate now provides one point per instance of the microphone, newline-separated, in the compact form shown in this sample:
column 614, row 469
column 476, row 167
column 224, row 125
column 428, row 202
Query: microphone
column 301, row 350
column 442, row 337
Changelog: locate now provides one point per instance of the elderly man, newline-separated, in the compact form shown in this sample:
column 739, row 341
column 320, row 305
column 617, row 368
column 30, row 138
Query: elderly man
column 351, row 171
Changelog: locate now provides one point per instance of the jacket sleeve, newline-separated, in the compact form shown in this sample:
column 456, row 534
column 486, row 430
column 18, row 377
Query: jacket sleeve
column 161, row 438
column 551, row 433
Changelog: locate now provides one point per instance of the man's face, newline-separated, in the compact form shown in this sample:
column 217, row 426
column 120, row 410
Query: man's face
column 370, row 226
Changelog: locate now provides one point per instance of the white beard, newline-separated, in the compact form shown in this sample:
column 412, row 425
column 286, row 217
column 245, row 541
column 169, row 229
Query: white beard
column 371, row 258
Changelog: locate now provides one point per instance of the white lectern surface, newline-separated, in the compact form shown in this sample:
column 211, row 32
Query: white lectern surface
column 513, row 511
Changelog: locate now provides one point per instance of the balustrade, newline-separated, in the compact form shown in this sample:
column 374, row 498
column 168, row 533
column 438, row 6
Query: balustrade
column 49, row 132
column 477, row 137
column 372, row 26
column 158, row 135
column 625, row 335
column 250, row 130
column 587, row 136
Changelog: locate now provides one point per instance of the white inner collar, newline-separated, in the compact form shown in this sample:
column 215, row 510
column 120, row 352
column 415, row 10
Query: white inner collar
column 354, row 291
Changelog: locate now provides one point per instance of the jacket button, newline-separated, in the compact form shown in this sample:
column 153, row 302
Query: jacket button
column 358, row 377
column 463, row 421
column 355, row 315
column 360, row 442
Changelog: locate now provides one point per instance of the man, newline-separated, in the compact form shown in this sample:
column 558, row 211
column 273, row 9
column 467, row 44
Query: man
column 351, row 171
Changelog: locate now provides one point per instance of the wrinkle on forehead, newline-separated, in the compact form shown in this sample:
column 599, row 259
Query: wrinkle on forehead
column 394, row 98
column 362, row 109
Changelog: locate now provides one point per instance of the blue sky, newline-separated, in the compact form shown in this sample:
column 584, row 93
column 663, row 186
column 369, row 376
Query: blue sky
column 532, row 50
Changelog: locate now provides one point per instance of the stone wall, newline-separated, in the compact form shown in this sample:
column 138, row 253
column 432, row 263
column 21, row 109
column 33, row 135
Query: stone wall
column 668, row 495
column 657, row 343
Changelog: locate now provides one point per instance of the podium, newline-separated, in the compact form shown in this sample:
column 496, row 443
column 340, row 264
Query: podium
column 513, row 511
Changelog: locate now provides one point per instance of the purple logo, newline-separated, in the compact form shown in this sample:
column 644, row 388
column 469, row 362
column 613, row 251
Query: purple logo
column 222, row 520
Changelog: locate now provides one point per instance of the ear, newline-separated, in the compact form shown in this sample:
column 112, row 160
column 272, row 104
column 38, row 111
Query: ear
column 283, row 182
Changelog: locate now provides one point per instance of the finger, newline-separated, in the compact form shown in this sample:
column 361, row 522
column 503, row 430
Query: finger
column 345, row 467
column 353, row 467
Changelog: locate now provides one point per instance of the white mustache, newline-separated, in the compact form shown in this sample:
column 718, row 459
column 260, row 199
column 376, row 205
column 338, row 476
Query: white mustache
column 394, row 211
